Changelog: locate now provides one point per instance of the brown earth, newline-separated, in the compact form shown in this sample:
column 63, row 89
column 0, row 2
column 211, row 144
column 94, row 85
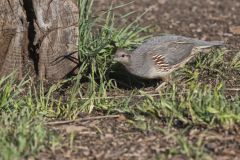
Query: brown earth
column 118, row 138
column 207, row 20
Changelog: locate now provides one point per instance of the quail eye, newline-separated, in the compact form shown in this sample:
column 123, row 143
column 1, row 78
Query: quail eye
column 123, row 55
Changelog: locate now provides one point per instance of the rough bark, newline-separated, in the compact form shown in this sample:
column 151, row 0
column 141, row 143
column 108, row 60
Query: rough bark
column 47, row 28
column 13, row 36
column 56, row 28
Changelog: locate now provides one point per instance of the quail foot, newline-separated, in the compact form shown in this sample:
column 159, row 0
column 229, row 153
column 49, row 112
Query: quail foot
column 159, row 56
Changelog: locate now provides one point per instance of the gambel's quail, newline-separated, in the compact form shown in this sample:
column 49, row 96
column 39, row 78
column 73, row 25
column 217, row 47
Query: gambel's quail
column 159, row 56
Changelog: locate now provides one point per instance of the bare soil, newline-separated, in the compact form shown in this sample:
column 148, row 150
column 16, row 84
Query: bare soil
column 118, row 138
column 207, row 20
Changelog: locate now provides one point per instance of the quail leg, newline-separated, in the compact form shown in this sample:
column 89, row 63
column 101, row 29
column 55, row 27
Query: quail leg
column 166, row 80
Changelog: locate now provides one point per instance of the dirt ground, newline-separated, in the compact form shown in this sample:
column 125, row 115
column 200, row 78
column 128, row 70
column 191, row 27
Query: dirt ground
column 207, row 20
column 117, row 138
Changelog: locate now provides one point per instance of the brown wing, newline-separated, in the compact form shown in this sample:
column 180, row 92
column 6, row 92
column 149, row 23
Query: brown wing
column 161, row 65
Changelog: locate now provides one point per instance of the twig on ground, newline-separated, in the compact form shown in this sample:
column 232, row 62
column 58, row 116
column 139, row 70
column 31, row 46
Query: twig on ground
column 232, row 89
column 81, row 119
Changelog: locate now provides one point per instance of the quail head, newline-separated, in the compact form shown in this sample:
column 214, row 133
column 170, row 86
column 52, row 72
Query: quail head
column 159, row 56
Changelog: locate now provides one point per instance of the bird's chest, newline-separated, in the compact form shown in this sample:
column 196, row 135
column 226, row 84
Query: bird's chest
column 153, row 73
column 147, row 71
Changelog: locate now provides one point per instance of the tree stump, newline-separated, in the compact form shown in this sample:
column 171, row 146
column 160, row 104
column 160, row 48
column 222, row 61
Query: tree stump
column 57, row 31
column 48, row 26
column 13, row 37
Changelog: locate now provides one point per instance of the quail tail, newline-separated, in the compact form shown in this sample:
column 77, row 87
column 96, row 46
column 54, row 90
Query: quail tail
column 208, row 44
column 216, row 43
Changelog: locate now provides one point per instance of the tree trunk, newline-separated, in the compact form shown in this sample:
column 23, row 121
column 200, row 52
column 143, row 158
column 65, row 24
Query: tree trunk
column 13, row 37
column 48, row 28
column 57, row 32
